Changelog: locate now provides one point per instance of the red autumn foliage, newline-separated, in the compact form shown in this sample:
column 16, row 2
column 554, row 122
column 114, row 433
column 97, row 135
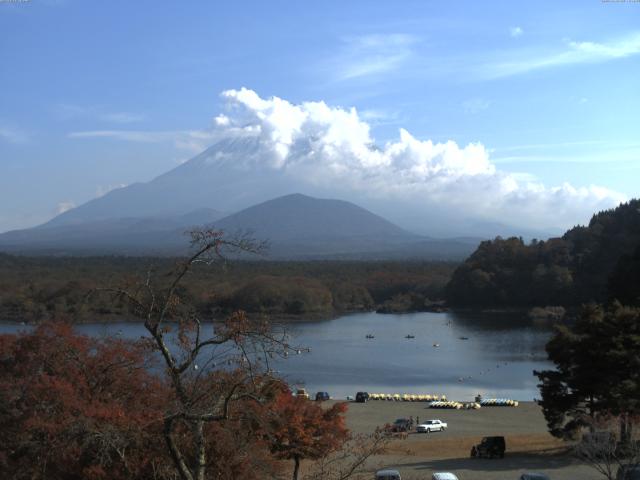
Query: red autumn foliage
column 77, row 407
column 300, row 429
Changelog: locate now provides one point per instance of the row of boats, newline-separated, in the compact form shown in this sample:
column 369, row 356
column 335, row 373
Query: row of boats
column 409, row 336
column 440, row 401
column 499, row 402
column 455, row 405
column 406, row 397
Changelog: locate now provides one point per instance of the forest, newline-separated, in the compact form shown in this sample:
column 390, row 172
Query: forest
column 598, row 263
column 36, row 289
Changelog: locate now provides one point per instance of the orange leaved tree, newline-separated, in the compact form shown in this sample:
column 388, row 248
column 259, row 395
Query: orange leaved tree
column 300, row 429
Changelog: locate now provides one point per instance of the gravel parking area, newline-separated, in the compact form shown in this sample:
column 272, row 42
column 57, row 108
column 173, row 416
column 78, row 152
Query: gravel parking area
column 529, row 446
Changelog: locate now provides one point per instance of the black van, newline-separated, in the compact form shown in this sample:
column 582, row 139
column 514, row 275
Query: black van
column 489, row 447
column 362, row 397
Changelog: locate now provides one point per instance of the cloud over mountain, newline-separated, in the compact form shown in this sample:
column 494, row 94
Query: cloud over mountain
column 331, row 149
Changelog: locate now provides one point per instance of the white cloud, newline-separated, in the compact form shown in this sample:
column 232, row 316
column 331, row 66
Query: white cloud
column 515, row 31
column 64, row 206
column 571, row 54
column 331, row 148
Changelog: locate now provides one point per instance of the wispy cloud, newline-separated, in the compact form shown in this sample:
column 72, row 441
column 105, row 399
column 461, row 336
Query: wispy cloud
column 13, row 135
column 122, row 117
column 64, row 206
column 126, row 135
column 191, row 140
column 369, row 55
column 595, row 151
column 475, row 105
column 556, row 145
column 572, row 53
column 102, row 190
column 68, row 111
column 378, row 117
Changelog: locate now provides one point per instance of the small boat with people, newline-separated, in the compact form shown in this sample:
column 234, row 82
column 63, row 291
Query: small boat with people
column 410, row 336
column 368, row 335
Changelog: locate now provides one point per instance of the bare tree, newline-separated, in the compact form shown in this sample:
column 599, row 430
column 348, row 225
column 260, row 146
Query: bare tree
column 208, row 372
column 601, row 450
column 352, row 460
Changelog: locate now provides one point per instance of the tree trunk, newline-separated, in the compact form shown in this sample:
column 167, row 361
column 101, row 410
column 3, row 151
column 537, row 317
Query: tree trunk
column 296, row 467
column 176, row 454
column 201, row 459
column 625, row 429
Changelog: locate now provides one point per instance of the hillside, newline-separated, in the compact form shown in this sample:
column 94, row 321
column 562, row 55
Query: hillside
column 301, row 226
column 588, row 263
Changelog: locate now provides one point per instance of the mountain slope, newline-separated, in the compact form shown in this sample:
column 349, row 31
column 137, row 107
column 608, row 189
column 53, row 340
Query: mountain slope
column 211, row 179
column 128, row 235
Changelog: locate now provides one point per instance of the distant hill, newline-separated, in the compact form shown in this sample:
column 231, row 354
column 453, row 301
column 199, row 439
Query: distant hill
column 301, row 226
column 296, row 227
column 588, row 263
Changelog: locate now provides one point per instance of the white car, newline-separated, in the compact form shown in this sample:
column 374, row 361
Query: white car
column 443, row 476
column 432, row 426
column 388, row 475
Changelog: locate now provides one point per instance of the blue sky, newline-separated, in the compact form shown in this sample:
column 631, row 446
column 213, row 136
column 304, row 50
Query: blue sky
column 96, row 95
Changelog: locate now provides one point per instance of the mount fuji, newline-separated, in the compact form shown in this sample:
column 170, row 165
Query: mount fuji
column 228, row 187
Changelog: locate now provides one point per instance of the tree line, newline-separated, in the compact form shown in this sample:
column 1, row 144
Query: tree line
column 594, row 263
column 35, row 289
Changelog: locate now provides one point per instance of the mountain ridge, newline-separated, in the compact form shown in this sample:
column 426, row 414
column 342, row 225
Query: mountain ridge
column 297, row 226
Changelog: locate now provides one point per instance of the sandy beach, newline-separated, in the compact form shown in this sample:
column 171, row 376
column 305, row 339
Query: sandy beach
column 530, row 448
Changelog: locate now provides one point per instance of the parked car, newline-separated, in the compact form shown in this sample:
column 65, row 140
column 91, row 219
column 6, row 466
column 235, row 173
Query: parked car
column 362, row 397
column 388, row 475
column 322, row 396
column 431, row 426
column 443, row 476
column 628, row 472
column 534, row 476
column 401, row 425
column 301, row 392
column 489, row 447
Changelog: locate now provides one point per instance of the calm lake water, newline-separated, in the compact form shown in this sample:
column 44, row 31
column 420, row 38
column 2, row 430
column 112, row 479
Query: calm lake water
column 496, row 360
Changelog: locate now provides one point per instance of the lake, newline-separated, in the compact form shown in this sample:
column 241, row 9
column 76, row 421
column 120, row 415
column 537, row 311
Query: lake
column 497, row 358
